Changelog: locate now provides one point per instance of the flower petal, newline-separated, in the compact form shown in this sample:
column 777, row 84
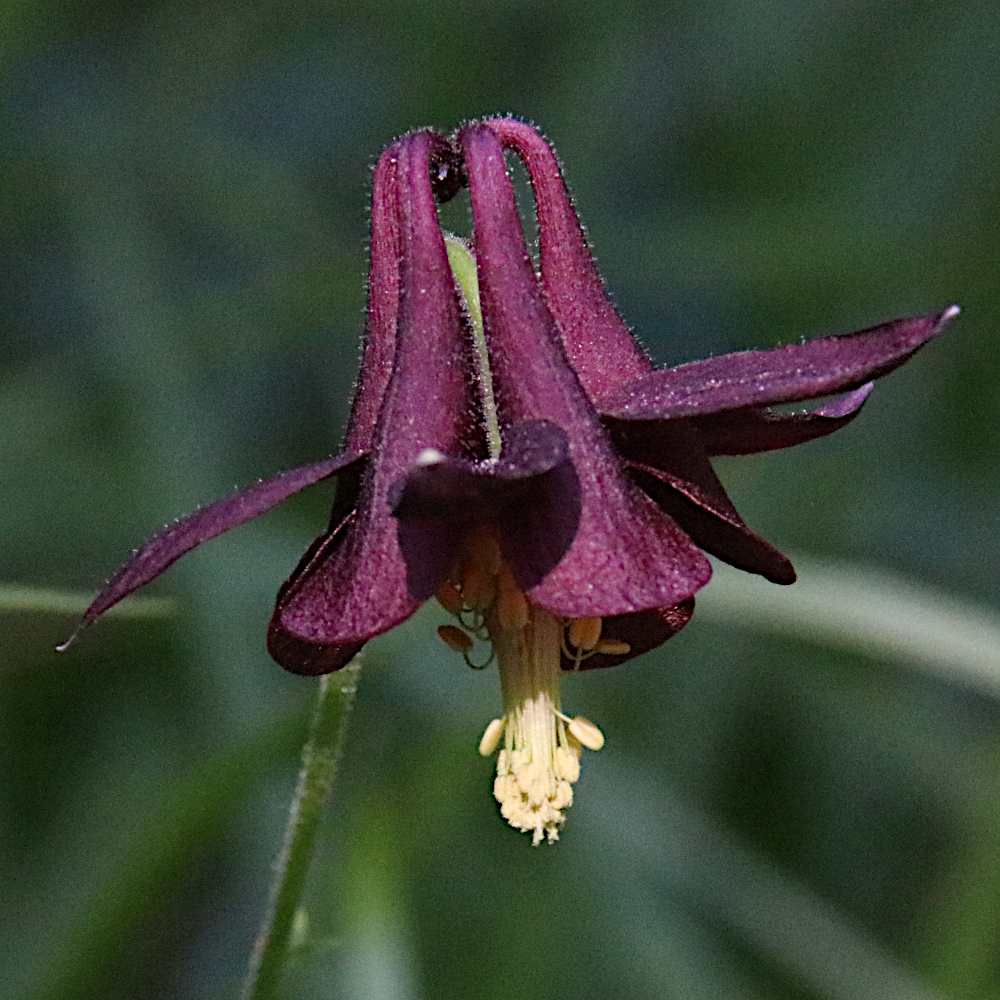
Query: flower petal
column 530, row 497
column 166, row 547
column 300, row 657
column 643, row 631
column 383, row 305
column 668, row 462
column 356, row 587
column 599, row 344
column 627, row 555
column 783, row 375
column 286, row 649
column 752, row 430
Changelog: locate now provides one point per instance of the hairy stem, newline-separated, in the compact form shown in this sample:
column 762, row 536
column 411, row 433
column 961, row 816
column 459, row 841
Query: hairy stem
column 320, row 757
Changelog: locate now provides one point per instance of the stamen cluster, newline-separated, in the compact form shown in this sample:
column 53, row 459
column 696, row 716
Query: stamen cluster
column 540, row 758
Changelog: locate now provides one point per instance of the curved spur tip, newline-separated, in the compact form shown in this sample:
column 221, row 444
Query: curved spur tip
column 949, row 314
column 64, row 647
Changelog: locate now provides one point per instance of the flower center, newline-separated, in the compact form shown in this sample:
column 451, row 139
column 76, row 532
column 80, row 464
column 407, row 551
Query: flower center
column 540, row 757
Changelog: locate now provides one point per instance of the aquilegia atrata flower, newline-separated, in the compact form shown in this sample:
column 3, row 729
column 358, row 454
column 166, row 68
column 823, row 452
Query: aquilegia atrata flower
column 512, row 451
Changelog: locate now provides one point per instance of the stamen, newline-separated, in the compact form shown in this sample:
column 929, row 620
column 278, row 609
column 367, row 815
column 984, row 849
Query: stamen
column 540, row 758
column 491, row 737
column 586, row 732
column 585, row 633
column 612, row 647
column 450, row 599
column 455, row 638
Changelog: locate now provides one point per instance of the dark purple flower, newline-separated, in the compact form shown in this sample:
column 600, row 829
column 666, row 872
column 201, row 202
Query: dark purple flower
column 512, row 450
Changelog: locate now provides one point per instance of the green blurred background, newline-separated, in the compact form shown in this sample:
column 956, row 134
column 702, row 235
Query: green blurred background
column 777, row 814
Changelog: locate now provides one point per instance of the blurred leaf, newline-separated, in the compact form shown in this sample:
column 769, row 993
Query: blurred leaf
column 192, row 813
column 669, row 845
column 867, row 610
column 15, row 598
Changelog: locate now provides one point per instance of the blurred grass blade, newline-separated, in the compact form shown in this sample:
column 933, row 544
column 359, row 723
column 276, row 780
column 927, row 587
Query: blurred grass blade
column 668, row 845
column 15, row 598
column 165, row 845
column 865, row 610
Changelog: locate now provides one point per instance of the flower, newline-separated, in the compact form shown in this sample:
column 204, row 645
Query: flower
column 512, row 451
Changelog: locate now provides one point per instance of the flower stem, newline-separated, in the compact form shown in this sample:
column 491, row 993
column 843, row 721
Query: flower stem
column 320, row 757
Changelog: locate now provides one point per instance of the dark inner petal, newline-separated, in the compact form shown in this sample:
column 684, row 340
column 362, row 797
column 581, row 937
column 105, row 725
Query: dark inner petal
column 753, row 430
column 166, row 547
column 711, row 528
column 784, row 375
column 667, row 461
column 294, row 654
column 643, row 631
column 530, row 497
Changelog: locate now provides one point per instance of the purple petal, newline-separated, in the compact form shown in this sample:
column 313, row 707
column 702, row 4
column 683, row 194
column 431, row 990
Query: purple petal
column 627, row 555
column 357, row 587
column 165, row 548
column 599, row 344
column 783, row 375
column 530, row 497
column 668, row 462
column 383, row 305
column 643, row 631
column 749, row 431
column 300, row 657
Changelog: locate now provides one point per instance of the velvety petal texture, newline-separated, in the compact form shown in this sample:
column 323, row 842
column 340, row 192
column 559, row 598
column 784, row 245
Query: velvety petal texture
column 603, row 495
column 751, row 430
column 529, row 498
column 667, row 460
column 627, row 555
column 600, row 347
column 355, row 586
column 167, row 546
column 665, row 424
column 782, row 375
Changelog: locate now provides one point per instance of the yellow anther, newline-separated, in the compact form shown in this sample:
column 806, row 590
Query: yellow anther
column 455, row 638
column 584, row 633
column 512, row 606
column 491, row 737
column 612, row 647
column 586, row 733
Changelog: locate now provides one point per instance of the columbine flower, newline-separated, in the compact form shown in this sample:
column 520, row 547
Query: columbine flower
column 512, row 451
